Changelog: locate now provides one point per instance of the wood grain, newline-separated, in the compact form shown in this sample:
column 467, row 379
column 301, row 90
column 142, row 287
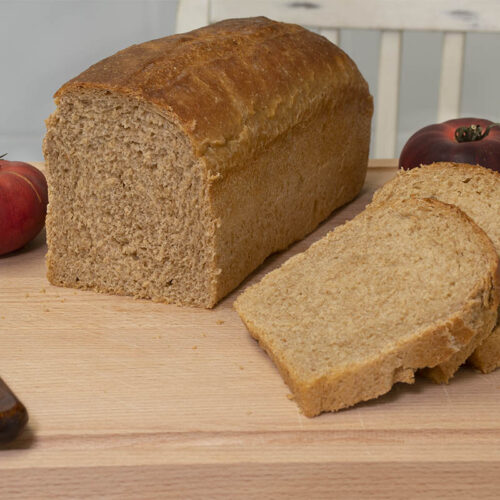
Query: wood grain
column 132, row 399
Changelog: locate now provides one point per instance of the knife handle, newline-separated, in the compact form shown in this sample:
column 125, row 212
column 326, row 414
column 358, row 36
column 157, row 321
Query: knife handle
column 13, row 414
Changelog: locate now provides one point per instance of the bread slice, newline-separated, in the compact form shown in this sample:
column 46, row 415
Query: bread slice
column 176, row 166
column 402, row 286
column 476, row 191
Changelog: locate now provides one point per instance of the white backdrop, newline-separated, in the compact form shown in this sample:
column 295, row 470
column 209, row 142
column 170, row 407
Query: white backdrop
column 44, row 43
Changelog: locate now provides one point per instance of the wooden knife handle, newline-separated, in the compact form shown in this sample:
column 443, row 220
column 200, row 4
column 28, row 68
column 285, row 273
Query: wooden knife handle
column 13, row 414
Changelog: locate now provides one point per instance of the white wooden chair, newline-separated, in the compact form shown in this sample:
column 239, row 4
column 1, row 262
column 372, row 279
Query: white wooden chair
column 391, row 17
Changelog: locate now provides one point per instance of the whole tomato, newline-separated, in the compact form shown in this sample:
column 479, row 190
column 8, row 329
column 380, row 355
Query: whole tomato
column 23, row 204
column 463, row 140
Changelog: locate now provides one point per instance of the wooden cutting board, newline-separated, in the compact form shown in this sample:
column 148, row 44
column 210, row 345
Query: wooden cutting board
column 132, row 399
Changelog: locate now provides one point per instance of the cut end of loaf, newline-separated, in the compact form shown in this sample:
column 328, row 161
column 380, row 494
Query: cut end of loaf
column 127, row 212
column 373, row 301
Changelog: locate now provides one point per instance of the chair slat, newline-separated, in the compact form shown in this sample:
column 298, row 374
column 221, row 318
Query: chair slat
column 386, row 105
column 442, row 15
column 331, row 34
column 450, row 84
column 192, row 14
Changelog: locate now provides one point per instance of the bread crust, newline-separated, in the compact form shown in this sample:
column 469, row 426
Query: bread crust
column 232, row 84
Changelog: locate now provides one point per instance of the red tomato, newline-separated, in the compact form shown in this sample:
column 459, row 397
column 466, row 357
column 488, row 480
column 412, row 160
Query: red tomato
column 454, row 141
column 23, row 204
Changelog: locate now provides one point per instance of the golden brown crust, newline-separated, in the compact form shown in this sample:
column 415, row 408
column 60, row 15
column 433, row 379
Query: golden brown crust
column 231, row 84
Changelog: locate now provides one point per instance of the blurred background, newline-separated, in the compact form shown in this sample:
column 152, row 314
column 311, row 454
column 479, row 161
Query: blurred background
column 44, row 43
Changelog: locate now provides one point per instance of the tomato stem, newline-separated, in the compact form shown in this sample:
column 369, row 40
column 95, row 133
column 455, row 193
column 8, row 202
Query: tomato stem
column 473, row 132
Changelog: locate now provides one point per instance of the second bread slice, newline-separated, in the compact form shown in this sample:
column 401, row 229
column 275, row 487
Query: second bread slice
column 400, row 287
column 476, row 191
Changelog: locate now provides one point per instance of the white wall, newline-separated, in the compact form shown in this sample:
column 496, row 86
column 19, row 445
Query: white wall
column 43, row 43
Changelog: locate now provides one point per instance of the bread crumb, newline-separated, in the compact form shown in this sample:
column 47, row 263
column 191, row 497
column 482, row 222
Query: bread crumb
column 195, row 347
column 249, row 412
column 47, row 310
column 27, row 295
column 3, row 317
column 42, row 290
column 220, row 322
column 290, row 396
column 63, row 300
column 242, row 367
column 204, row 334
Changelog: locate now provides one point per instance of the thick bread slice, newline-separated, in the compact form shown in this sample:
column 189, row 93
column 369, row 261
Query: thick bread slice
column 402, row 286
column 476, row 191
column 176, row 166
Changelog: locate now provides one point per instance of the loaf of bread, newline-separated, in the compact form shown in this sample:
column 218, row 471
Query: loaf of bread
column 476, row 191
column 402, row 286
column 177, row 166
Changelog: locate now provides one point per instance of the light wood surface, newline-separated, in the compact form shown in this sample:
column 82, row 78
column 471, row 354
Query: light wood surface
column 132, row 399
